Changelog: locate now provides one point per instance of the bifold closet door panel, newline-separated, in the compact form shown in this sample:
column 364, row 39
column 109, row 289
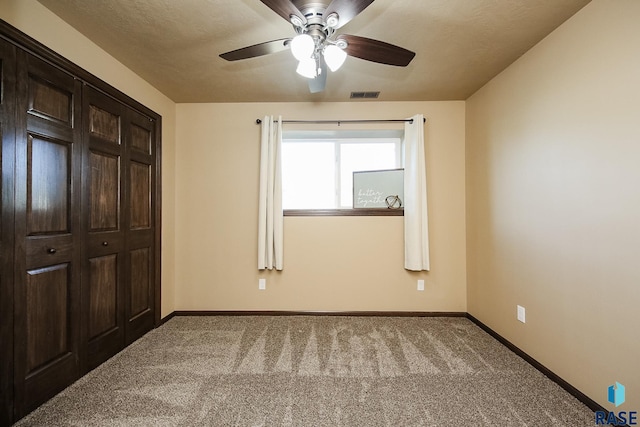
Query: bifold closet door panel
column 104, row 290
column 7, row 153
column 141, row 176
column 48, row 232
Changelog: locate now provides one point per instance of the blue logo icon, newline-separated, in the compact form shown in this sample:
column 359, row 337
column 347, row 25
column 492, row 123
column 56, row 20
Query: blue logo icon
column 616, row 394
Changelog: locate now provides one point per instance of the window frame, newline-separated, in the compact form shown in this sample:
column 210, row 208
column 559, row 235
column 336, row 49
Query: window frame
column 339, row 137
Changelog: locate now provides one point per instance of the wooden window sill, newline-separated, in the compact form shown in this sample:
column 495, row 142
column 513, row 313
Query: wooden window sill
column 344, row 212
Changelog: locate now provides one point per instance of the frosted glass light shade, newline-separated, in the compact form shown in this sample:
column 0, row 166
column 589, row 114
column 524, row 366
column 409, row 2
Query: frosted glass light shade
column 307, row 68
column 334, row 57
column 302, row 46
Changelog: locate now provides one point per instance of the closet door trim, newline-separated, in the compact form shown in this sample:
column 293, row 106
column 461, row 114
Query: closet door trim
column 7, row 220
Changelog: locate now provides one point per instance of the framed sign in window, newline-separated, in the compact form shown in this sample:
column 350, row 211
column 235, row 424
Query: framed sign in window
column 372, row 188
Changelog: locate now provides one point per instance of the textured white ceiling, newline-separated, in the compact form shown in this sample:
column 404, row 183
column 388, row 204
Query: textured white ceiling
column 174, row 45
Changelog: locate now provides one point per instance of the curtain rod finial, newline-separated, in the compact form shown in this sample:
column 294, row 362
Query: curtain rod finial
column 258, row 121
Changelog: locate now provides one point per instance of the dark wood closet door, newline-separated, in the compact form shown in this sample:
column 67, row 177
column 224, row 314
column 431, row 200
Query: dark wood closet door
column 7, row 152
column 79, row 222
column 105, row 261
column 118, row 286
column 48, row 234
column 141, row 199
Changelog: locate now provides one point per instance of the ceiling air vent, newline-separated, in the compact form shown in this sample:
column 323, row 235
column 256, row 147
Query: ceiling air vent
column 364, row 95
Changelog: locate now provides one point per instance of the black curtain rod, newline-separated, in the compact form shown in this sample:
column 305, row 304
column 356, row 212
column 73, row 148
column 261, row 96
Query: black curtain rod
column 338, row 122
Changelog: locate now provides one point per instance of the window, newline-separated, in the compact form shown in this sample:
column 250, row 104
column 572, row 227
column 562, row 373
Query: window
column 317, row 167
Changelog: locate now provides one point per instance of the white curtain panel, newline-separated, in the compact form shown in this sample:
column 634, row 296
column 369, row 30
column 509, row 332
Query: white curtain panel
column 270, row 222
column 416, row 232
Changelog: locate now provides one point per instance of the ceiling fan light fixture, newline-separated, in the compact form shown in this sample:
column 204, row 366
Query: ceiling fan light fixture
column 316, row 45
column 302, row 47
column 334, row 57
column 307, row 68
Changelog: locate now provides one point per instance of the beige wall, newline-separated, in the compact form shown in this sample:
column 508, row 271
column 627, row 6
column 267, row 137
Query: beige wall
column 334, row 263
column 35, row 20
column 553, row 201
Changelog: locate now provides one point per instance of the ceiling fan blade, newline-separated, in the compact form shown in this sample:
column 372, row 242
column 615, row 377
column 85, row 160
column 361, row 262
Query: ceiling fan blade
column 377, row 51
column 346, row 9
column 318, row 84
column 256, row 50
column 285, row 8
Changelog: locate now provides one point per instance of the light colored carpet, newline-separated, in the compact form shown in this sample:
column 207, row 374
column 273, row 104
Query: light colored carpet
column 314, row 371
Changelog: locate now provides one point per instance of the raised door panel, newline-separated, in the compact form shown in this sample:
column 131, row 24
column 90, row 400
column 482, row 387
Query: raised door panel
column 48, row 191
column 103, row 196
column 140, row 190
column 47, row 229
column 102, row 123
column 47, row 330
column 141, row 139
column 140, row 294
column 50, row 101
column 7, row 154
column 103, row 295
column 51, row 351
column 104, row 191
column 140, row 307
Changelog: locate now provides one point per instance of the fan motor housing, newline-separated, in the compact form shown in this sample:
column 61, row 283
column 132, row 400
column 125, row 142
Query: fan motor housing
column 312, row 10
column 316, row 26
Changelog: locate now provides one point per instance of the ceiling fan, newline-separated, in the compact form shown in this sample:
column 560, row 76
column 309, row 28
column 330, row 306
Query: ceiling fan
column 317, row 46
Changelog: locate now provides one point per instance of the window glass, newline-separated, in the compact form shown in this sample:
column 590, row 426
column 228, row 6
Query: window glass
column 362, row 157
column 317, row 168
column 308, row 175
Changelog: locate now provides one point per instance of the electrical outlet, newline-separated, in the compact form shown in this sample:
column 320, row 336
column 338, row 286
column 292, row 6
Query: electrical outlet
column 262, row 284
column 421, row 285
column 521, row 314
